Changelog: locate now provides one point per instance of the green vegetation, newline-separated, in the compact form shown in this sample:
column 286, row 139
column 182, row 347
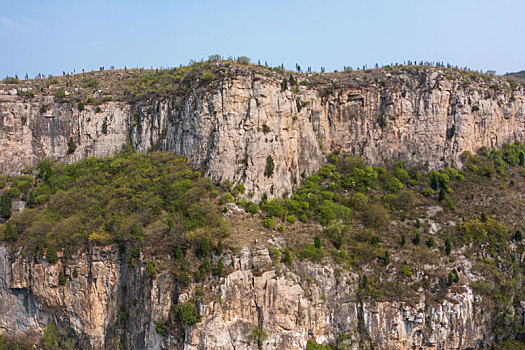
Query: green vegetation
column 161, row 329
column 5, row 206
column 130, row 199
column 312, row 345
column 268, row 170
column 258, row 336
column 71, row 146
column 58, row 338
column 188, row 313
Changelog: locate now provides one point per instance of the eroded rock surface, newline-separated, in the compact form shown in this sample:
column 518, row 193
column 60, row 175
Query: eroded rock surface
column 310, row 301
column 230, row 130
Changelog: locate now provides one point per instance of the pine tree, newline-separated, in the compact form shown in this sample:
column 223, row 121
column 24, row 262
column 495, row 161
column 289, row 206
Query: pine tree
column 417, row 239
column 220, row 267
column 518, row 236
column 448, row 246
column 317, row 242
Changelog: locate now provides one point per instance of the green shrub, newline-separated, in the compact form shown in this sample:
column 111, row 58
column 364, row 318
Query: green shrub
column 92, row 84
column 312, row 253
column 10, row 234
column 60, row 96
column 239, row 189
column 248, row 206
column 161, row 329
column 50, row 337
column 207, row 77
column 406, row 271
column 431, row 242
column 392, row 185
column 290, row 219
column 258, row 336
column 268, row 222
column 226, row 198
column 80, row 106
column 151, row 270
column 312, row 345
column 273, row 208
column 189, row 314
column 359, row 201
column 375, row 216
column 401, row 174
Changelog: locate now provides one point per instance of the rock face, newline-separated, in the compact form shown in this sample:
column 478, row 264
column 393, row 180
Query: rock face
column 108, row 303
column 232, row 129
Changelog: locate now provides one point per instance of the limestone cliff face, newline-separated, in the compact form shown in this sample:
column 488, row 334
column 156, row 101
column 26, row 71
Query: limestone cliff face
column 230, row 129
column 108, row 304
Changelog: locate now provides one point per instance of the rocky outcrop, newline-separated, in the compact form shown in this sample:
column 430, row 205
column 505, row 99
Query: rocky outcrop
column 231, row 129
column 108, row 303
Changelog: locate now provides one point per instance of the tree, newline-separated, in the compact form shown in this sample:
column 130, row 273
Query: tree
column 51, row 254
column 219, row 248
column 403, row 240
column 417, row 239
column 518, row 236
column 105, row 127
column 189, row 314
column 50, row 337
column 317, row 242
column 71, row 146
column 448, row 246
column 178, row 252
column 268, row 170
column 10, row 234
column 220, row 267
column 5, row 206
column 387, row 258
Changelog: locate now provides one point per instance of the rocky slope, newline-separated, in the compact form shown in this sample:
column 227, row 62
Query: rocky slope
column 231, row 128
column 290, row 306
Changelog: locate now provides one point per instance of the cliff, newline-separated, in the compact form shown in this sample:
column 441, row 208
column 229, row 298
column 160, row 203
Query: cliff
column 233, row 125
column 409, row 258
column 288, row 306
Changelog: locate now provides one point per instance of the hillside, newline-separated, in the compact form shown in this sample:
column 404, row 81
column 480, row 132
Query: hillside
column 234, row 206
column 228, row 118
column 397, row 234
column 518, row 75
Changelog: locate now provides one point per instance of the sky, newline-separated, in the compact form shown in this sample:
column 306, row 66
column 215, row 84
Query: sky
column 53, row 36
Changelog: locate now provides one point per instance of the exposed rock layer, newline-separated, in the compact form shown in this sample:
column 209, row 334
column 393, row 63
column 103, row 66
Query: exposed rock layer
column 109, row 303
column 230, row 129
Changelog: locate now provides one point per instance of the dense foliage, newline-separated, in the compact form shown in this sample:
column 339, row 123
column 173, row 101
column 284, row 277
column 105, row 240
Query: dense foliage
column 130, row 199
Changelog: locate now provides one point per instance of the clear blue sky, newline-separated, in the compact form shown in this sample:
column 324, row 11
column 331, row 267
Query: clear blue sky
column 54, row 36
